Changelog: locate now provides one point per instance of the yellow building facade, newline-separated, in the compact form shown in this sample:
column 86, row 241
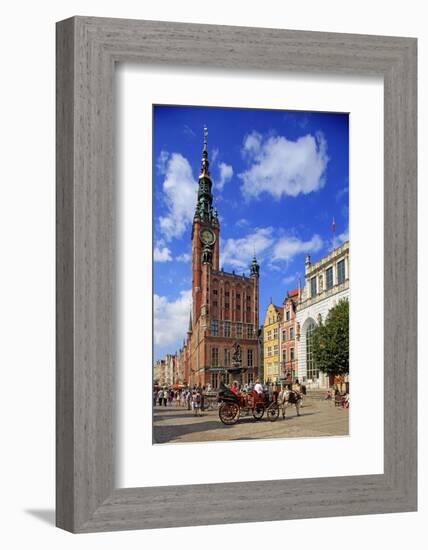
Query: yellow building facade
column 271, row 336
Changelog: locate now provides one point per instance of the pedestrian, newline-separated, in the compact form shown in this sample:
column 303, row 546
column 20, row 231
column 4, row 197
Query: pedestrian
column 275, row 394
column 189, row 400
column 165, row 397
column 160, row 397
column 196, row 403
column 170, row 397
column 345, row 401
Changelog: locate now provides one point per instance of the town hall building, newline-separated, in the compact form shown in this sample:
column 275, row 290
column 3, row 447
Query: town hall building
column 225, row 306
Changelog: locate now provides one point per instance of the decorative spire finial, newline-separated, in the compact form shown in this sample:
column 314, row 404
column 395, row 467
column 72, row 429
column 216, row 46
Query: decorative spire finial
column 205, row 164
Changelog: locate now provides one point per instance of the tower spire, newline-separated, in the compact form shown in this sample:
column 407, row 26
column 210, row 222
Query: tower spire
column 255, row 267
column 204, row 208
column 190, row 329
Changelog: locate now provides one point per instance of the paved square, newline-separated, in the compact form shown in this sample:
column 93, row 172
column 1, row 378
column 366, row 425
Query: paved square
column 317, row 419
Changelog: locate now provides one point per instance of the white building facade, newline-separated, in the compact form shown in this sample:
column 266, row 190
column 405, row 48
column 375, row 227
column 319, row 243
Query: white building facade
column 326, row 283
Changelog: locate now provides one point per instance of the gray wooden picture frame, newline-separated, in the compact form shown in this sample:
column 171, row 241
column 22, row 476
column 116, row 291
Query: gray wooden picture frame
column 87, row 50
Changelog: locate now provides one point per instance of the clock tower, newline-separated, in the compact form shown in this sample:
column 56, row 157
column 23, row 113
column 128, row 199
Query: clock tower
column 205, row 239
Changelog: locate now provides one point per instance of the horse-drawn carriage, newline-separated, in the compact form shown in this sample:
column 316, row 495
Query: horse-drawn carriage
column 233, row 405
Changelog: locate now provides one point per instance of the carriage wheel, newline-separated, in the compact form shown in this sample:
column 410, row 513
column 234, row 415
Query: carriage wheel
column 258, row 412
column 229, row 413
column 272, row 412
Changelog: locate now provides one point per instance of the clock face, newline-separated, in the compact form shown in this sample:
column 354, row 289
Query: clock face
column 207, row 236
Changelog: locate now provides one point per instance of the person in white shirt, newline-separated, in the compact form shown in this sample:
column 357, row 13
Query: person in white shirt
column 258, row 387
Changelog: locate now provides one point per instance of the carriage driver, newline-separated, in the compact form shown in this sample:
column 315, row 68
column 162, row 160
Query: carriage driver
column 257, row 392
column 258, row 387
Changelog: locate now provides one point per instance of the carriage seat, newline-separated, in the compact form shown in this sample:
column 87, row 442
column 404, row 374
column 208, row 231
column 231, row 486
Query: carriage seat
column 257, row 397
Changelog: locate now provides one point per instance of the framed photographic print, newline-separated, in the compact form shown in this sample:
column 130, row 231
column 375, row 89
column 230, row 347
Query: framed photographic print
column 271, row 169
column 236, row 274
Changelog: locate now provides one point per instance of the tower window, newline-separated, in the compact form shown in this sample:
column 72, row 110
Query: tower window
column 214, row 328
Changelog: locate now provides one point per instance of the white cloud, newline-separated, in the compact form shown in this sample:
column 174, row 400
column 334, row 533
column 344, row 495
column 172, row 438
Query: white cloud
column 290, row 279
column 283, row 167
column 179, row 189
column 185, row 257
column 214, row 155
column 342, row 193
column 288, row 247
column 243, row 222
column 226, row 173
column 162, row 254
column 161, row 162
column 340, row 239
column 252, row 144
column 188, row 131
column 171, row 319
column 238, row 253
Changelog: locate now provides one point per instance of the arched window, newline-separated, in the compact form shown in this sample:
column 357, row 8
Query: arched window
column 311, row 370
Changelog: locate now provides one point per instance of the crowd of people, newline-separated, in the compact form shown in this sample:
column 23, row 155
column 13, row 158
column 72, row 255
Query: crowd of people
column 193, row 399
column 197, row 399
column 339, row 399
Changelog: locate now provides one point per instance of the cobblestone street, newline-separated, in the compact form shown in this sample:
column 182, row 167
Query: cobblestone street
column 317, row 419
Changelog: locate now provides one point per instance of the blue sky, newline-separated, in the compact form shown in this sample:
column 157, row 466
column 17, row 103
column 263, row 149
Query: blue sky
column 279, row 179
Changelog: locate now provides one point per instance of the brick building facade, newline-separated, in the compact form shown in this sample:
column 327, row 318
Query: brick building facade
column 288, row 335
column 225, row 306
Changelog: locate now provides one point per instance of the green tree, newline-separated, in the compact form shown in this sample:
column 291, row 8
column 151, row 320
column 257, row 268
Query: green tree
column 330, row 341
